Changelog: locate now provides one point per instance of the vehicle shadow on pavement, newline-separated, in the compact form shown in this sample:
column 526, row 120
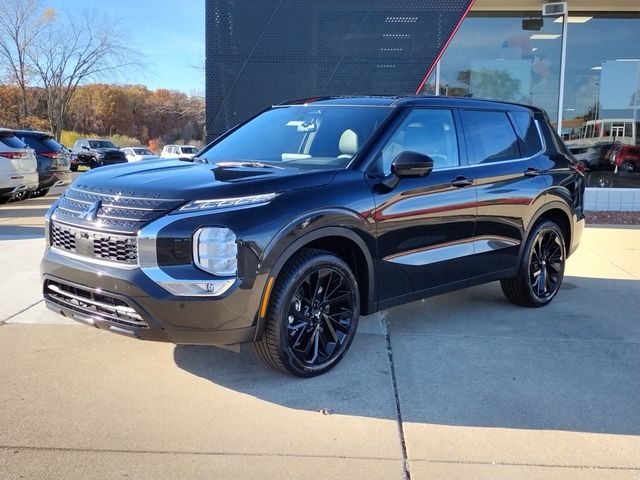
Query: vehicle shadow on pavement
column 472, row 359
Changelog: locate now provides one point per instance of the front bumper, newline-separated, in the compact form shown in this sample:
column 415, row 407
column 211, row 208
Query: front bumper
column 157, row 315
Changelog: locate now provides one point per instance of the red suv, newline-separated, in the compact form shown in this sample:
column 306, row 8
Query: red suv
column 626, row 158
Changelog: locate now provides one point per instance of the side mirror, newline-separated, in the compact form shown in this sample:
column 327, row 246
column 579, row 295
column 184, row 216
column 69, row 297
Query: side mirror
column 84, row 147
column 411, row 164
column 407, row 164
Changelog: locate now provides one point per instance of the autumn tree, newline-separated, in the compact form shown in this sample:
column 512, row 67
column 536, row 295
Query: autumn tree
column 21, row 23
column 73, row 51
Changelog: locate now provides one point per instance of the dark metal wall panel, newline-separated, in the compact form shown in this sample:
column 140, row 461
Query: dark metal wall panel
column 267, row 51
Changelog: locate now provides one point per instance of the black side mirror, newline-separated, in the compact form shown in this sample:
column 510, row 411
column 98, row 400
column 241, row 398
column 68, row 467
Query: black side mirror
column 408, row 164
column 84, row 147
column 411, row 164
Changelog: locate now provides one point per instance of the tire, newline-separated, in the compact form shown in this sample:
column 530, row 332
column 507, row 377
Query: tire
column 546, row 242
column 41, row 192
column 74, row 168
column 23, row 195
column 4, row 200
column 600, row 180
column 297, row 317
column 627, row 166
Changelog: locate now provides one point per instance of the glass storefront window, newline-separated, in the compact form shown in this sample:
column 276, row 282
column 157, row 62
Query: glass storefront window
column 493, row 57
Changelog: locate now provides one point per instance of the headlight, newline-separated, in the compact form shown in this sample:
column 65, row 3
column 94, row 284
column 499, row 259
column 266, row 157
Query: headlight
column 215, row 251
column 227, row 202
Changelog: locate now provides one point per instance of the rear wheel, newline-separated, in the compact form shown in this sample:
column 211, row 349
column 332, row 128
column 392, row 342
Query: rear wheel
column 541, row 268
column 41, row 192
column 627, row 166
column 312, row 315
column 23, row 195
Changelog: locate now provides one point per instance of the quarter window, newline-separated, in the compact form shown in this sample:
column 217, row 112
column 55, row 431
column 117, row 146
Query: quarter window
column 428, row 131
column 490, row 136
column 529, row 132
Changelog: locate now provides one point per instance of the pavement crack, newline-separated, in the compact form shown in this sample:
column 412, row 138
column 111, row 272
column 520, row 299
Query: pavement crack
column 6, row 320
column 403, row 445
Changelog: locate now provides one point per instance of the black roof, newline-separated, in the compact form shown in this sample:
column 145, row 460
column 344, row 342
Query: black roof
column 409, row 100
column 34, row 133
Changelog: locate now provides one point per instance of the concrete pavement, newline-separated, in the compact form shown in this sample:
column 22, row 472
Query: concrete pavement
column 484, row 389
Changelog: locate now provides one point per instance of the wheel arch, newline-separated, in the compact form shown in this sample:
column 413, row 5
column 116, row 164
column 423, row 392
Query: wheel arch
column 559, row 213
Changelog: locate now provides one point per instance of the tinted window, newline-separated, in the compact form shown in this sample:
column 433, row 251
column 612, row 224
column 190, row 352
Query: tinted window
column 101, row 144
column 529, row 132
column 490, row 136
column 189, row 150
column 427, row 131
column 42, row 144
column 12, row 141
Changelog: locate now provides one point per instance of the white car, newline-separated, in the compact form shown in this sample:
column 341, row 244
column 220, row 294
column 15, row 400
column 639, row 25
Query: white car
column 18, row 168
column 178, row 151
column 135, row 154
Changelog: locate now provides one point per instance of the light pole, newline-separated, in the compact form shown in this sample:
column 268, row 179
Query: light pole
column 563, row 61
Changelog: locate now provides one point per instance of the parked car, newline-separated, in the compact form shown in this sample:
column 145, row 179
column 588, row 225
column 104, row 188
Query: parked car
column 54, row 166
column 312, row 213
column 178, row 151
column 96, row 153
column 593, row 156
column 625, row 158
column 135, row 154
column 18, row 168
column 73, row 158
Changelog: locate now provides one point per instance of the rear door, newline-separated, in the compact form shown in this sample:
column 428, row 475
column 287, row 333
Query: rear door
column 425, row 225
column 503, row 152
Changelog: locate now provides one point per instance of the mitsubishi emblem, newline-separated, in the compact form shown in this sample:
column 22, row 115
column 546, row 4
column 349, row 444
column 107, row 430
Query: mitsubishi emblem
column 92, row 211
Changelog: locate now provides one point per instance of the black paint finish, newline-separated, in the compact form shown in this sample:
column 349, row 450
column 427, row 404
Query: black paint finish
column 426, row 235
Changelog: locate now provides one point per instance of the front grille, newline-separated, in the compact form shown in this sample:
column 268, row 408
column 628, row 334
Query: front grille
column 96, row 305
column 110, row 210
column 102, row 246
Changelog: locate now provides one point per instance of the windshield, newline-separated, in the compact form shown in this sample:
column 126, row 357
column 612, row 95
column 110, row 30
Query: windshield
column 303, row 136
column 142, row 151
column 101, row 144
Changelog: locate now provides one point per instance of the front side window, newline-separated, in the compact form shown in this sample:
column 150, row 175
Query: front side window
column 431, row 132
column 189, row 150
column 489, row 136
column 301, row 136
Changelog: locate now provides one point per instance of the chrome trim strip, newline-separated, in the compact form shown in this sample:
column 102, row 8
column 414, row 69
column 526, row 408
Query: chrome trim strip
column 113, row 205
column 117, row 308
column 451, row 250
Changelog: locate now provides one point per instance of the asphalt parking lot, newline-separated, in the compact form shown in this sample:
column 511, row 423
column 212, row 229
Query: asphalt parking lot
column 462, row 386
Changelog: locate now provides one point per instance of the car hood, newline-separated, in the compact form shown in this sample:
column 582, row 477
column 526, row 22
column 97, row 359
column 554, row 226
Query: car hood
column 175, row 179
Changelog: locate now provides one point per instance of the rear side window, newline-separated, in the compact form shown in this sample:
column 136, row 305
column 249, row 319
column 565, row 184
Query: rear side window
column 528, row 132
column 490, row 136
column 12, row 141
column 42, row 144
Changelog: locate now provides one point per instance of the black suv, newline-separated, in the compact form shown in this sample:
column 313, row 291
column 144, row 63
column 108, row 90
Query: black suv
column 96, row 153
column 54, row 164
column 288, row 227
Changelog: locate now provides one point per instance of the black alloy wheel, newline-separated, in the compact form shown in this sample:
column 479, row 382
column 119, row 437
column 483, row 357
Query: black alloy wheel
column 541, row 267
column 546, row 264
column 313, row 315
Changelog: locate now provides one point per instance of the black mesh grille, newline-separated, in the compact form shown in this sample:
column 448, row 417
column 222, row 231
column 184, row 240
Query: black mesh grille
column 103, row 246
column 262, row 53
column 101, row 306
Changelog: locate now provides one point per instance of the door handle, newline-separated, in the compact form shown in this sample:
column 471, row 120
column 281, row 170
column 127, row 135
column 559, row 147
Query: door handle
column 532, row 172
column 460, row 182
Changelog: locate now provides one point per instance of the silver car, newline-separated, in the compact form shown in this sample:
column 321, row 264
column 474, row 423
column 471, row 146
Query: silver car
column 18, row 168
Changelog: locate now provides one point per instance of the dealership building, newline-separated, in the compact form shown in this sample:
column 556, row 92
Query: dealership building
column 579, row 60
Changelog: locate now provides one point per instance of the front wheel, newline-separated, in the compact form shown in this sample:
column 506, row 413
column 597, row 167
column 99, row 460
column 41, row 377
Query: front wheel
column 541, row 268
column 41, row 192
column 312, row 315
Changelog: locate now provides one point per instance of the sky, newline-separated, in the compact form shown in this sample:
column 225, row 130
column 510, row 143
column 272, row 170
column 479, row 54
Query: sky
column 168, row 34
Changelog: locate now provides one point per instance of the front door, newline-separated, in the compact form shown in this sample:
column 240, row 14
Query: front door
column 425, row 225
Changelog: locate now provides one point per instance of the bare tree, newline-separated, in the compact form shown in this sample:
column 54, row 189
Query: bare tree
column 74, row 51
column 21, row 22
